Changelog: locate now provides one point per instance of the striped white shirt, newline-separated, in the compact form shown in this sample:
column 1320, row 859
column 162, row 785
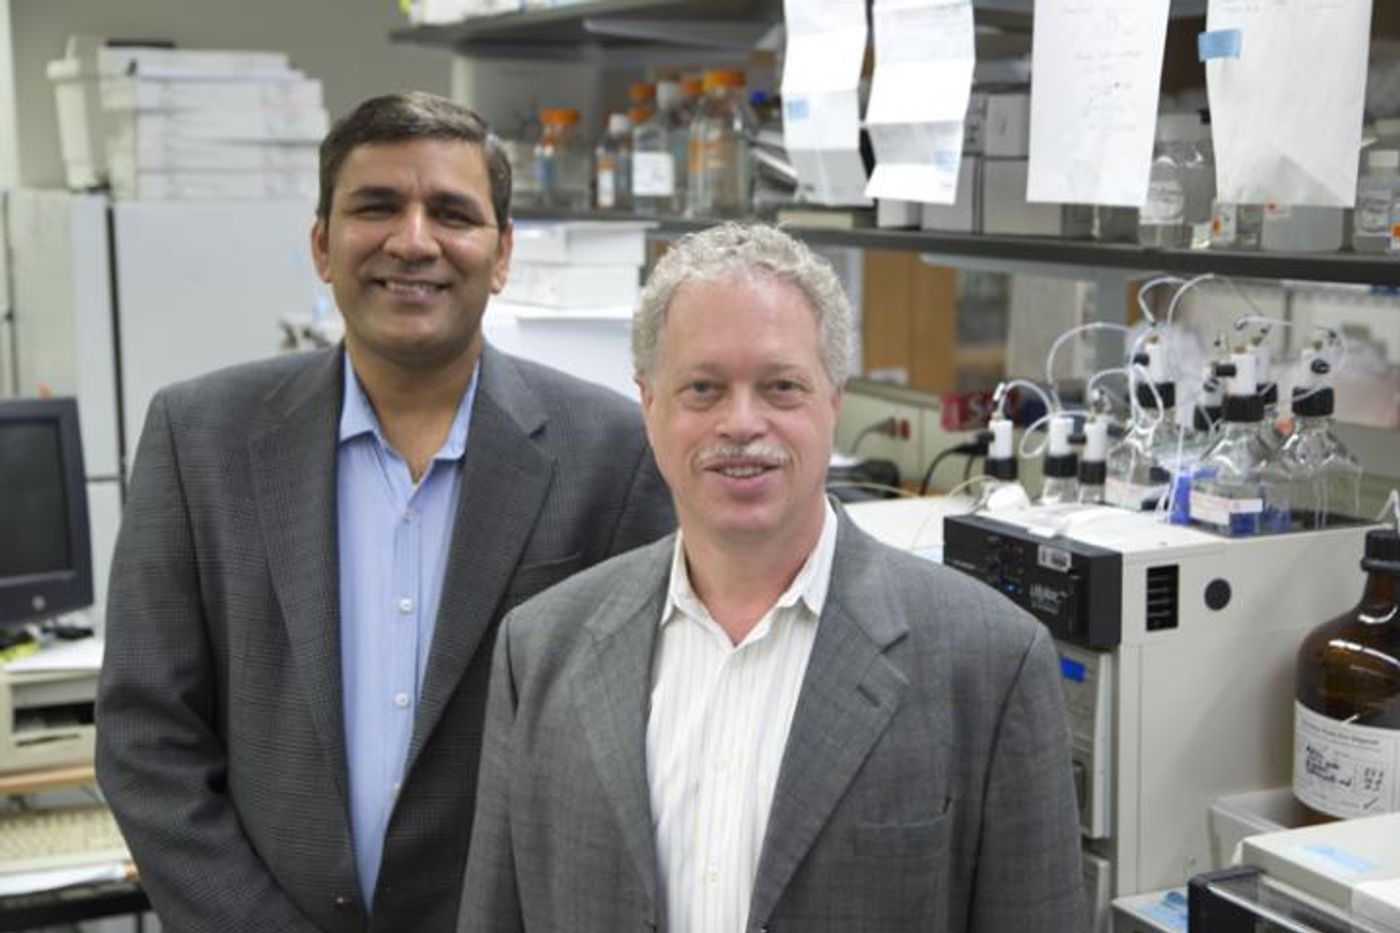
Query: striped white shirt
column 719, row 722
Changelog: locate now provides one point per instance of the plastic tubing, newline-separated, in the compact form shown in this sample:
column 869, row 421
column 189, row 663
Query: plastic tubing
column 1008, row 385
column 1067, row 335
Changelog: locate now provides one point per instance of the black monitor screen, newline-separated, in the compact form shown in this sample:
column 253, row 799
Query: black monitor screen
column 33, row 503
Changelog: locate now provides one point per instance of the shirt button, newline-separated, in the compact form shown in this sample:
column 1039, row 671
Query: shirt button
column 405, row 605
column 398, row 785
column 401, row 700
column 344, row 904
column 409, row 516
column 711, row 875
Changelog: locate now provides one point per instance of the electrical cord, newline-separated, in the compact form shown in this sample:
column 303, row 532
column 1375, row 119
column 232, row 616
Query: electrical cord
column 970, row 449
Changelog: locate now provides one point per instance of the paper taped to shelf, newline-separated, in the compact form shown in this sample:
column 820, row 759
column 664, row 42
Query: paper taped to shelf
column 821, row 110
column 924, row 56
column 1097, row 68
column 1284, row 131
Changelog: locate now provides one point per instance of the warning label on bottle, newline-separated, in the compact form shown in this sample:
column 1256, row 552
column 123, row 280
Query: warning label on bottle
column 1342, row 769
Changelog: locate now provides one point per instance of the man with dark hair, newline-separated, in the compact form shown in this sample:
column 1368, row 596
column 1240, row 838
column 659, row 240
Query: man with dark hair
column 317, row 550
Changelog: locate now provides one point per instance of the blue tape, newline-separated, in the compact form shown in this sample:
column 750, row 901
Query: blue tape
column 1348, row 862
column 1222, row 43
column 797, row 108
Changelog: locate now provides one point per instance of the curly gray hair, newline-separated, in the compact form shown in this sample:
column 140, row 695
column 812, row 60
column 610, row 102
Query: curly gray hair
column 731, row 251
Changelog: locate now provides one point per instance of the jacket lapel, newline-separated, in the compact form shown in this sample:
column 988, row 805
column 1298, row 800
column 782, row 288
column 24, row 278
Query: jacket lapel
column 504, row 481
column 611, row 687
column 848, row 697
column 294, row 481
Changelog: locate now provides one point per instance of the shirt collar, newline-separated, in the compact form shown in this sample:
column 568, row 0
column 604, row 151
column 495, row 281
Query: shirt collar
column 357, row 416
column 810, row 586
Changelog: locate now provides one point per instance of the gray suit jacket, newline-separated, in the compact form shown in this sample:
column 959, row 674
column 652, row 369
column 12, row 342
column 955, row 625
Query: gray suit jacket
column 220, row 736
column 925, row 785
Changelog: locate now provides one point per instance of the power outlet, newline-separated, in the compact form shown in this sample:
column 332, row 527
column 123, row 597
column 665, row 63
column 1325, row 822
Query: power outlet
column 905, row 447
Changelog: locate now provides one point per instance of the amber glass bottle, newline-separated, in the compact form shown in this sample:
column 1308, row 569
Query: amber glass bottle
column 1346, row 734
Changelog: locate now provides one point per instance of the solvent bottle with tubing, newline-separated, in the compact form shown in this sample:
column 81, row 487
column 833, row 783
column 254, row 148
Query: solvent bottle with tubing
column 1061, row 464
column 1346, row 727
column 1326, row 477
column 1239, row 487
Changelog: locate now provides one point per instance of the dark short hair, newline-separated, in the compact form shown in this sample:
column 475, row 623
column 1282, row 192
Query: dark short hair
column 410, row 115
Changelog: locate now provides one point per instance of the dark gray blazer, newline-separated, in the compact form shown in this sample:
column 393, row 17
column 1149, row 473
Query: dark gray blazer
column 925, row 786
column 220, row 735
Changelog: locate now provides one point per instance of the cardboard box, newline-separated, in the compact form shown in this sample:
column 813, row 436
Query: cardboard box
column 964, row 215
column 581, row 241
column 289, row 90
column 1005, row 209
column 215, row 186
column 573, row 286
column 891, row 213
column 1007, row 132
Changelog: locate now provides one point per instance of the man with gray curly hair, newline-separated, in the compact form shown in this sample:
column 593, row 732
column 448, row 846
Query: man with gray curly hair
column 767, row 721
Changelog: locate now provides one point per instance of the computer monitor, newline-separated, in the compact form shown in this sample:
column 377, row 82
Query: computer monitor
column 45, row 552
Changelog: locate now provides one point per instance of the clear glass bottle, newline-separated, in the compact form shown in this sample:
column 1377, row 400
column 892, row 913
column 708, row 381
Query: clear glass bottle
column 1115, row 224
column 1236, row 226
column 1239, row 487
column 1378, row 202
column 1326, row 477
column 520, row 152
column 719, row 175
column 562, row 161
column 658, row 155
column 1061, row 467
column 1302, row 229
column 1141, row 465
column 613, row 165
column 1346, row 727
column 1174, row 181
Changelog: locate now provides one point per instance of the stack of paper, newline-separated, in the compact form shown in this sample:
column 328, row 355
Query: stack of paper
column 165, row 124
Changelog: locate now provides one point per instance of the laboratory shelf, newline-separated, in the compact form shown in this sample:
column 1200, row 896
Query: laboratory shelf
column 610, row 23
column 595, row 23
column 1351, row 268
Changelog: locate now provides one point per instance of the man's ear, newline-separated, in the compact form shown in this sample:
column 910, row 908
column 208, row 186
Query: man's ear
column 320, row 249
column 501, row 271
column 644, row 391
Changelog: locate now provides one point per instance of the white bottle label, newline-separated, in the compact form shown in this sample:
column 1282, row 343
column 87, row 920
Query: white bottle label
column 1344, row 770
column 653, row 174
column 1216, row 510
column 607, row 187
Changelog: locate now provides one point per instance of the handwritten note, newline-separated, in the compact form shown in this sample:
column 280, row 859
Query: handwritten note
column 924, row 56
column 1096, row 69
column 821, row 111
column 1286, row 110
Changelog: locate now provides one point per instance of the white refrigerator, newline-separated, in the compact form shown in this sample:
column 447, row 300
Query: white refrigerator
column 112, row 300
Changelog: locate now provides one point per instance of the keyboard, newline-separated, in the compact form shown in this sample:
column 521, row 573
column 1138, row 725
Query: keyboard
column 59, row 837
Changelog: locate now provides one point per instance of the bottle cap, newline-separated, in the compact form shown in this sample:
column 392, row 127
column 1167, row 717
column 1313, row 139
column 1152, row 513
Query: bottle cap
column 618, row 123
column 559, row 116
column 639, row 114
column 724, row 77
column 692, row 85
column 1062, row 466
column 1093, row 473
column 1269, row 394
column 1244, row 408
column 1313, row 403
column 1205, row 416
column 641, row 92
column 1061, row 427
column 1382, row 550
column 1167, row 391
column 1002, row 468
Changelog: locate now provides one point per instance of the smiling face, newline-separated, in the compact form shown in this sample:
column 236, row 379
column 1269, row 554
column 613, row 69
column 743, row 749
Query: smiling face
column 412, row 250
column 740, row 413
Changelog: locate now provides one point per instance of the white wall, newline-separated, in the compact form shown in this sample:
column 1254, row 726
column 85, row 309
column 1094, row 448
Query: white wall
column 345, row 43
column 9, row 148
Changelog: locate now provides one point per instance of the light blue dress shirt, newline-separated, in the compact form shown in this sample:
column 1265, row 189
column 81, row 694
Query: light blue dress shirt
column 394, row 539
